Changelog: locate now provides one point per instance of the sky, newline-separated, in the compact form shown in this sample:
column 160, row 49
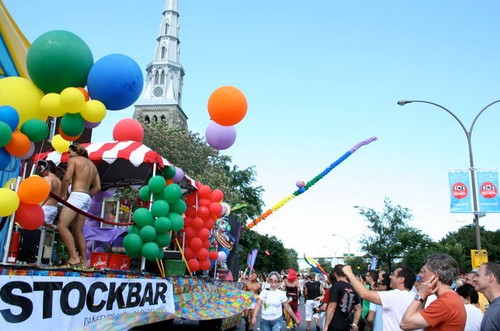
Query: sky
column 319, row 77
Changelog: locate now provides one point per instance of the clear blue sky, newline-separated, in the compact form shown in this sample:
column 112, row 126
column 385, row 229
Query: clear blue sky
column 320, row 76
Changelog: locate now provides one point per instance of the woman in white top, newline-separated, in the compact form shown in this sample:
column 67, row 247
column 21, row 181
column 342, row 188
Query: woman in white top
column 474, row 314
column 272, row 301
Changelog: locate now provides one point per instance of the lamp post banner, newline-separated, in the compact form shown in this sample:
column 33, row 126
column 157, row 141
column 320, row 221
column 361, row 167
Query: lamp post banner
column 487, row 187
column 460, row 191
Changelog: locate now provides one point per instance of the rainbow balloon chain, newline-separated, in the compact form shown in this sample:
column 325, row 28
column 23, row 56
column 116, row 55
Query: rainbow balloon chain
column 310, row 183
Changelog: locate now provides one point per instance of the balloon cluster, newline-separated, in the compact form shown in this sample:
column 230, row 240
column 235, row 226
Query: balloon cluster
column 203, row 209
column 227, row 106
column 31, row 192
column 151, row 231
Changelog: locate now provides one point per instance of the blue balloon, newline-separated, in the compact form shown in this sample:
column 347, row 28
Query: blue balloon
column 4, row 158
column 116, row 80
column 10, row 116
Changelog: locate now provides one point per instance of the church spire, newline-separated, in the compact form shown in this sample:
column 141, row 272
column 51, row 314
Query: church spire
column 162, row 95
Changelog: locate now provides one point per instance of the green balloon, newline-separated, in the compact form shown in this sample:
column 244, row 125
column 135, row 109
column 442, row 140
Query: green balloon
column 169, row 172
column 132, row 243
column 5, row 134
column 36, row 129
column 151, row 251
column 156, row 184
column 59, row 59
column 145, row 193
column 160, row 208
column 163, row 240
column 173, row 193
column 178, row 206
column 72, row 124
column 148, row 233
column 143, row 217
column 162, row 225
column 177, row 221
column 134, row 229
column 132, row 254
column 158, row 196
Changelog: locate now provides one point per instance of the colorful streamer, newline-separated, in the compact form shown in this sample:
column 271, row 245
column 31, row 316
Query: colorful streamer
column 315, row 265
column 310, row 183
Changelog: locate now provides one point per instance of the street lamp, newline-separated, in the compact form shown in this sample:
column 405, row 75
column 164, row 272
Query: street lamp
column 468, row 135
column 348, row 241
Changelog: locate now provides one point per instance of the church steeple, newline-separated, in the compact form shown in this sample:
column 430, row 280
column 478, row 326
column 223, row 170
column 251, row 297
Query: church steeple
column 162, row 95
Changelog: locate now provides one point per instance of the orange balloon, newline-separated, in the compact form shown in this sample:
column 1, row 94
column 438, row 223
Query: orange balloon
column 84, row 92
column 19, row 144
column 227, row 106
column 66, row 137
column 33, row 190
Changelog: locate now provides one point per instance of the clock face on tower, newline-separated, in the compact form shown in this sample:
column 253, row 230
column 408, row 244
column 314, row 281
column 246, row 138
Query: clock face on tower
column 158, row 91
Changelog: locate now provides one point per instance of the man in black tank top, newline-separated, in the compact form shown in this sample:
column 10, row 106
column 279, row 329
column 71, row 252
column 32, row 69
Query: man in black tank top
column 312, row 292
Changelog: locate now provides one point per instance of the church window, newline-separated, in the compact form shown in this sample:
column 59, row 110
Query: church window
column 146, row 119
column 157, row 78
column 162, row 80
column 163, row 52
column 155, row 119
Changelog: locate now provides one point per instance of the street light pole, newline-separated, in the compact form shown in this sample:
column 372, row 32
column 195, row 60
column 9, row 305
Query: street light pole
column 468, row 135
column 348, row 241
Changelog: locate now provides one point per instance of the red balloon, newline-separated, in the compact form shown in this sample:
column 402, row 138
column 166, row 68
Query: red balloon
column 188, row 253
column 203, row 234
column 191, row 199
column 209, row 223
column 195, row 244
column 187, row 221
column 193, row 265
column 206, row 244
column 215, row 209
column 213, row 255
column 202, row 254
column 30, row 216
column 204, row 202
column 197, row 224
column 189, row 232
column 203, row 212
column 205, row 264
column 190, row 211
column 217, row 195
column 128, row 129
column 204, row 192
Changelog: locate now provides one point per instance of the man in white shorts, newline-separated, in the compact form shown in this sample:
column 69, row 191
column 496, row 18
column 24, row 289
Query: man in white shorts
column 48, row 170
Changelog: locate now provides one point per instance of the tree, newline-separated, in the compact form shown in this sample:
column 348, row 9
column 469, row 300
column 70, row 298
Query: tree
column 201, row 162
column 392, row 238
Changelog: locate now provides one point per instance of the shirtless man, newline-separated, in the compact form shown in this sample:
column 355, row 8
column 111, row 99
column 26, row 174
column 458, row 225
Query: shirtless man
column 48, row 170
column 251, row 285
column 85, row 182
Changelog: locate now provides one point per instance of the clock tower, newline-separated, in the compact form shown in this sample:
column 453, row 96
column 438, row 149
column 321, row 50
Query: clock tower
column 162, row 95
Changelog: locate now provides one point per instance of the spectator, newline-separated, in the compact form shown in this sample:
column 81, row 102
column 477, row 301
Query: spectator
column 474, row 314
column 312, row 292
column 375, row 312
column 393, row 302
column 470, row 278
column 488, row 282
column 447, row 312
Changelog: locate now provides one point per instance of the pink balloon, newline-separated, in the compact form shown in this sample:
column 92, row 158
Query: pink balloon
column 220, row 137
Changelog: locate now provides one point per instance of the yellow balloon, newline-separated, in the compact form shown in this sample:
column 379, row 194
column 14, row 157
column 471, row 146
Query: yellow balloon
column 94, row 111
column 60, row 144
column 51, row 105
column 72, row 100
column 9, row 202
column 10, row 182
column 24, row 96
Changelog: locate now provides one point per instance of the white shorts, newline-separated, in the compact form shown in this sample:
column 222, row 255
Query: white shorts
column 310, row 305
column 50, row 214
column 80, row 200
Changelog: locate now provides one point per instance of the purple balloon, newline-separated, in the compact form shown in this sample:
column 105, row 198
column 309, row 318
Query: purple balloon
column 91, row 125
column 179, row 174
column 220, row 137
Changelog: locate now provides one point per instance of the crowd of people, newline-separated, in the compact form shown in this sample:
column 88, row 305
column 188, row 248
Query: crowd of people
column 438, row 297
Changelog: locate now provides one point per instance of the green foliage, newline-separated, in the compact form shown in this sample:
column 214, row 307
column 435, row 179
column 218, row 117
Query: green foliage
column 392, row 239
column 358, row 264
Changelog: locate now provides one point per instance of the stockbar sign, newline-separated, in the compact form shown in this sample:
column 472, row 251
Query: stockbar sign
column 74, row 303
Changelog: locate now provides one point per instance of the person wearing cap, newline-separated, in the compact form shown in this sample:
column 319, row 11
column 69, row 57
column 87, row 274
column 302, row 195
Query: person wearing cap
column 292, row 292
column 488, row 283
column 272, row 301
column 85, row 182
column 49, row 206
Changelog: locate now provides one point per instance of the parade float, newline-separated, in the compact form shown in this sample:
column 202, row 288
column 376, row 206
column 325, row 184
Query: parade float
column 166, row 259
